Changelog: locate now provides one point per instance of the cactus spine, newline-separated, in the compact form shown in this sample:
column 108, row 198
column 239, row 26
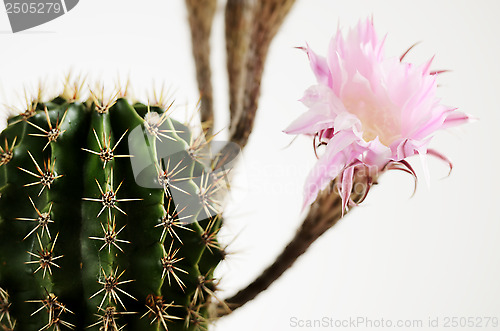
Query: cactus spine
column 86, row 241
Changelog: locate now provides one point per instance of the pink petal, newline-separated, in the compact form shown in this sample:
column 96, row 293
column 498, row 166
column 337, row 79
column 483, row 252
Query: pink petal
column 345, row 121
column 335, row 64
column 426, row 69
column 329, row 165
column 321, row 94
column 376, row 153
column 319, row 67
column 324, row 106
column 310, row 122
column 403, row 165
column 444, row 118
column 442, row 157
column 455, row 118
column 346, row 187
column 407, row 148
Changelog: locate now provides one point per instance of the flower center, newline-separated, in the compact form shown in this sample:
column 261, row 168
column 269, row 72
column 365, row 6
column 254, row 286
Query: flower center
column 378, row 119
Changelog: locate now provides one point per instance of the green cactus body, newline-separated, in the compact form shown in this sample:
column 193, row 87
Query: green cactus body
column 85, row 240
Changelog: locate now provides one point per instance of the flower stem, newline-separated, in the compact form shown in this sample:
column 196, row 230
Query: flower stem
column 238, row 20
column 267, row 18
column 324, row 213
column 200, row 15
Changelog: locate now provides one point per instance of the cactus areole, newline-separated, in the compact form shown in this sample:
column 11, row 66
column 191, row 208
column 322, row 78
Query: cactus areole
column 108, row 219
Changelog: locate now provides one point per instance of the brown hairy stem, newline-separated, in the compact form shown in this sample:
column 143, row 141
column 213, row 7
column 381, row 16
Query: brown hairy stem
column 324, row 213
column 200, row 15
column 268, row 15
column 238, row 21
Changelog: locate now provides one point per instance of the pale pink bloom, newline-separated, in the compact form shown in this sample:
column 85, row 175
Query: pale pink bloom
column 370, row 111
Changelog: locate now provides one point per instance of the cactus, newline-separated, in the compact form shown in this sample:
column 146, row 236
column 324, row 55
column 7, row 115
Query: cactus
column 108, row 218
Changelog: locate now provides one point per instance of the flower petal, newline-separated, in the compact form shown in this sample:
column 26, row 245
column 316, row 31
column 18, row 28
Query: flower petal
column 329, row 165
column 403, row 165
column 345, row 121
column 323, row 105
column 442, row 157
column 319, row 67
column 346, row 187
column 321, row 94
column 309, row 123
column 455, row 118
column 407, row 148
column 377, row 154
column 443, row 118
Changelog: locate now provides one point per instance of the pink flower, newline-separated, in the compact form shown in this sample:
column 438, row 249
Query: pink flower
column 370, row 111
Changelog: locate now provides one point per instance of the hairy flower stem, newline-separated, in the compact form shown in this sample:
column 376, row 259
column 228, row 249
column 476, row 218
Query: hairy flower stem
column 324, row 213
column 267, row 18
column 200, row 15
column 238, row 20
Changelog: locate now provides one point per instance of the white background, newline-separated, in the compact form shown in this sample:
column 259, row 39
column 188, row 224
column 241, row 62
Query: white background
column 395, row 257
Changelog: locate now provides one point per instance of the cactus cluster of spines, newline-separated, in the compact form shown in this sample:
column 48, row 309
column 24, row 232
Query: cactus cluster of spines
column 81, row 243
